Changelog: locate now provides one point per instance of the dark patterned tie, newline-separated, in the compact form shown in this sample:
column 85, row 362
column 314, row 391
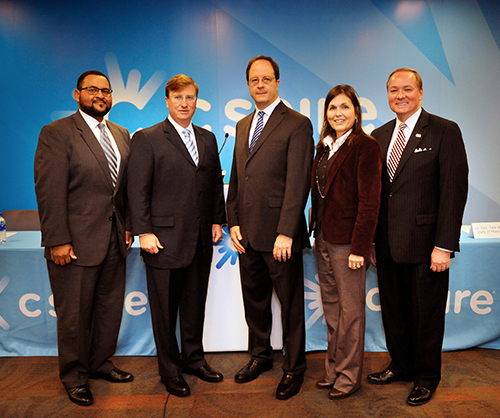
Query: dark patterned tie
column 258, row 130
column 396, row 151
column 109, row 152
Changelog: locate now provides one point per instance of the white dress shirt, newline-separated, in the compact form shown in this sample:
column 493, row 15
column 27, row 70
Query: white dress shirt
column 94, row 127
column 267, row 112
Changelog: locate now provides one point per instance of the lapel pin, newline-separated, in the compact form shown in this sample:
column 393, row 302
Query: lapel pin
column 418, row 135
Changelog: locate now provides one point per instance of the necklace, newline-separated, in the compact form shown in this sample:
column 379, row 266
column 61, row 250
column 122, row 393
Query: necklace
column 327, row 149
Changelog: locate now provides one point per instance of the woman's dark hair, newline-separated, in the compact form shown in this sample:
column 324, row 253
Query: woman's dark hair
column 351, row 93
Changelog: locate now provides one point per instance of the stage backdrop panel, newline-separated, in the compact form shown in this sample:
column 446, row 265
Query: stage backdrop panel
column 46, row 45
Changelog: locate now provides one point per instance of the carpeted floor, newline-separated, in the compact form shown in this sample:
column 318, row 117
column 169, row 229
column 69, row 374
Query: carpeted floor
column 29, row 387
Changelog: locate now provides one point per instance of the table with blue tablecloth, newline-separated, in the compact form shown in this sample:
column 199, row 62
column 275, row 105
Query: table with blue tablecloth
column 28, row 320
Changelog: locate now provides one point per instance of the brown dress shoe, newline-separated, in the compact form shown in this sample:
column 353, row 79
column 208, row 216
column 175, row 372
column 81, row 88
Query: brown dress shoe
column 324, row 384
column 337, row 394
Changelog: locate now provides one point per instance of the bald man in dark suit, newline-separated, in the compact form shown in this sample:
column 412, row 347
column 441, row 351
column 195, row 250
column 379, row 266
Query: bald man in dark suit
column 424, row 191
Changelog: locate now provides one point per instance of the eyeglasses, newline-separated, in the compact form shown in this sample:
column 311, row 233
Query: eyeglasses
column 265, row 80
column 178, row 98
column 94, row 90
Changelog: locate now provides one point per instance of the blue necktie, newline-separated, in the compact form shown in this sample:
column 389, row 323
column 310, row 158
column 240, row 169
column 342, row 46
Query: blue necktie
column 190, row 146
column 258, row 130
column 109, row 153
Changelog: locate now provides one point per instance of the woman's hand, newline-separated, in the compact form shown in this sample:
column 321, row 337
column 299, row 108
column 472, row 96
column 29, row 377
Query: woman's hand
column 356, row 261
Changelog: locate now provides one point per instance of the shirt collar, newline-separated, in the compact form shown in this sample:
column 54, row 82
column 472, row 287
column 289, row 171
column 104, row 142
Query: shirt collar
column 179, row 128
column 91, row 121
column 269, row 109
column 411, row 121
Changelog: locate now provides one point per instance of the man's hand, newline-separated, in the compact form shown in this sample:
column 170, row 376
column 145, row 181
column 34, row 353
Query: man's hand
column 216, row 233
column 355, row 262
column 150, row 243
column 129, row 239
column 62, row 254
column 282, row 250
column 440, row 260
column 236, row 238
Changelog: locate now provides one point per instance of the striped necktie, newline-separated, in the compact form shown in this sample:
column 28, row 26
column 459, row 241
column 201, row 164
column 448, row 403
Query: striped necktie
column 396, row 151
column 190, row 146
column 258, row 130
column 109, row 152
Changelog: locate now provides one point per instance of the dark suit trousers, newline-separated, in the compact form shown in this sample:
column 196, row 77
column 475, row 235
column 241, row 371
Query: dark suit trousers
column 89, row 305
column 181, row 290
column 413, row 300
column 260, row 272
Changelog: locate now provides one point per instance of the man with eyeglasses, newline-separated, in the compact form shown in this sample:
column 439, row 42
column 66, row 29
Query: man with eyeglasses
column 177, row 205
column 267, row 195
column 80, row 183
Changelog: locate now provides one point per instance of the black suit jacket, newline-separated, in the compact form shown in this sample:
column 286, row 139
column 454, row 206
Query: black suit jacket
column 268, row 188
column 171, row 197
column 74, row 191
column 423, row 206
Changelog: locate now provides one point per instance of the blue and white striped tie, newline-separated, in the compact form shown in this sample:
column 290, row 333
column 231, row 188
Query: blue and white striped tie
column 109, row 152
column 190, row 146
column 258, row 130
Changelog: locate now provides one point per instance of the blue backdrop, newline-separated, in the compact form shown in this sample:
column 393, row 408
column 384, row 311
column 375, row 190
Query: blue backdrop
column 45, row 46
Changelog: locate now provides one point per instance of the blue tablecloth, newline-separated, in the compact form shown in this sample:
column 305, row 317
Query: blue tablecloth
column 28, row 323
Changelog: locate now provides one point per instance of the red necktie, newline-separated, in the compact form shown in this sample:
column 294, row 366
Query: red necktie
column 396, row 151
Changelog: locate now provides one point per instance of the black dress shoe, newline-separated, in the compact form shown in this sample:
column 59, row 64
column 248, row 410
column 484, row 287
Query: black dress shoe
column 384, row 377
column 289, row 385
column 81, row 395
column 252, row 370
column 115, row 376
column 419, row 396
column 205, row 373
column 337, row 394
column 324, row 384
column 176, row 385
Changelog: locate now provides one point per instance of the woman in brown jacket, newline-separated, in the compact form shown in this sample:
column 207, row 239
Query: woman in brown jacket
column 345, row 186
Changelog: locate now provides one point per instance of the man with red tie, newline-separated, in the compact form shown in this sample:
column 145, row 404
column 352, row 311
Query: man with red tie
column 424, row 190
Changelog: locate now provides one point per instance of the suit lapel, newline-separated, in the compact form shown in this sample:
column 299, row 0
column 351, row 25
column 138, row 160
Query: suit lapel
column 244, row 134
column 173, row 136
column 385, row 139
column 274, row 120
column 340, row 156
column 92, row 142
column 200, row 143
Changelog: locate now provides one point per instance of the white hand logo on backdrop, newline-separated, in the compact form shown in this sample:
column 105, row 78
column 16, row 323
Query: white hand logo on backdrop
column 131, row 93
column 316, row 304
